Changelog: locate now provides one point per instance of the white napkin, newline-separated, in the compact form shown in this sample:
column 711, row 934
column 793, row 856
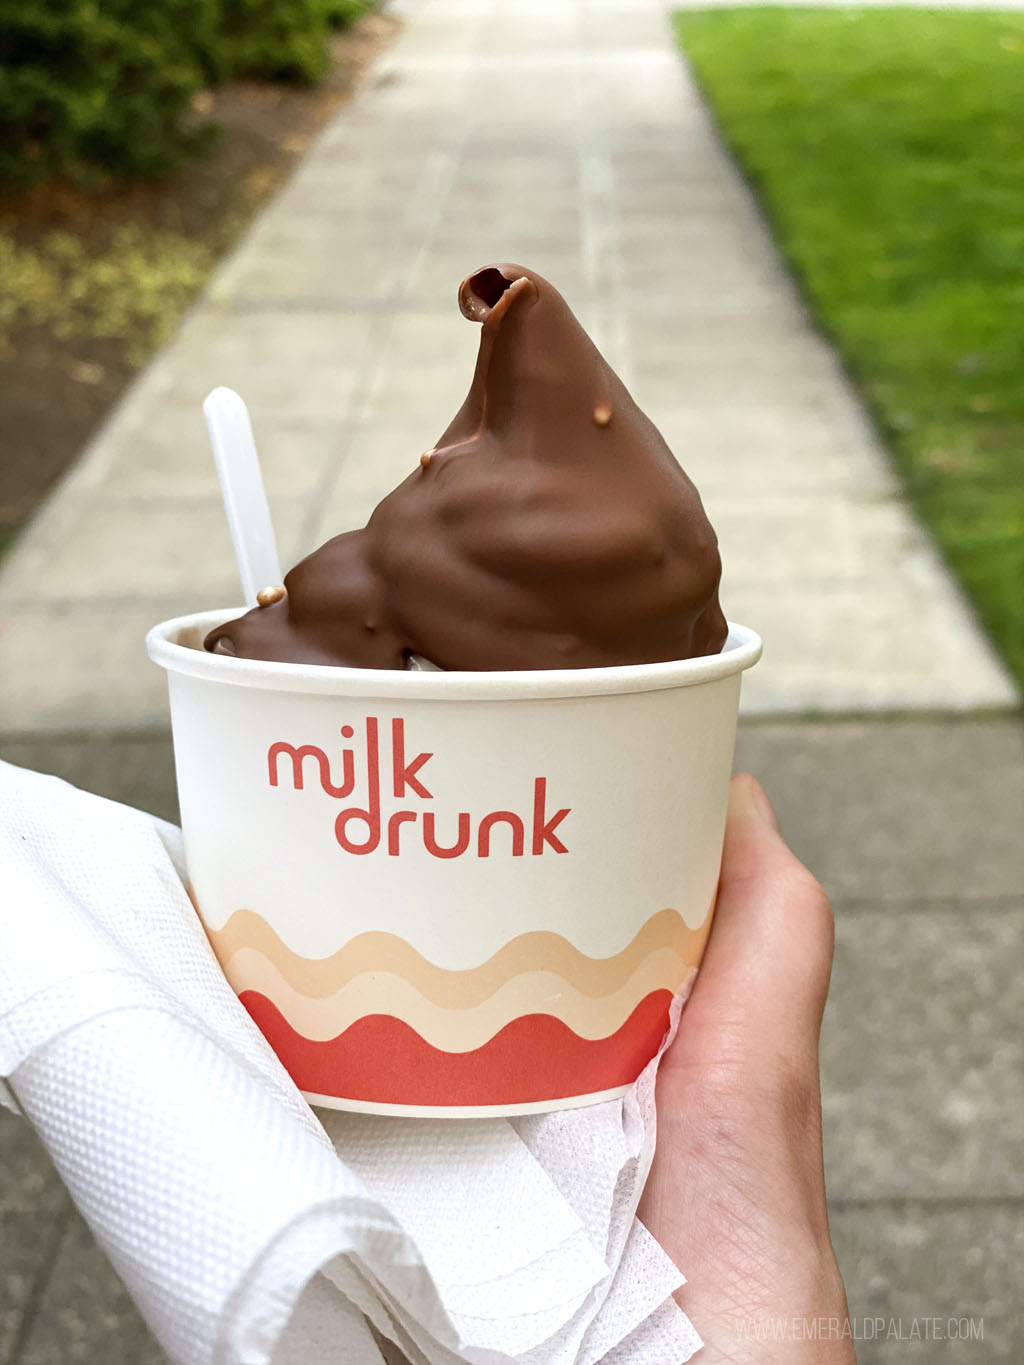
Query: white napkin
column 249, row 1229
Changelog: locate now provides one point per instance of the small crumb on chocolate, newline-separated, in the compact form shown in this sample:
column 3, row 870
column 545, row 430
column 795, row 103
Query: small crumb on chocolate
column 602, row 415
column 426, row 457
column 266, row 597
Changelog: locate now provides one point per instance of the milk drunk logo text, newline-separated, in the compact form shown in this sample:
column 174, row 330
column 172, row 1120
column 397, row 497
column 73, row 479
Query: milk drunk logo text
column 364, row 829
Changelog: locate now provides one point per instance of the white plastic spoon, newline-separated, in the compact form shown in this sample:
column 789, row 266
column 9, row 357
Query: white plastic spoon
column 241, row 486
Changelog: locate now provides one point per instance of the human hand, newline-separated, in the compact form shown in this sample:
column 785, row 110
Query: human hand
column 736, row 1194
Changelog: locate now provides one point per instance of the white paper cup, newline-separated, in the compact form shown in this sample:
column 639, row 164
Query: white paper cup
column 454, row 894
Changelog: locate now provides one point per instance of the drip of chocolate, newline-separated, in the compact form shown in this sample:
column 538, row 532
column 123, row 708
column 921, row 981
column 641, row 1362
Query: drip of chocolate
column 549, row 527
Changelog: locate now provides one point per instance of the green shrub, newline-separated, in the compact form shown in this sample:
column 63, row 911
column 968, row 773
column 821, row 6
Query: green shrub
column 103, row 87
column 98, row 86
column 277, row 39
column 282, row 39
column 340, row 13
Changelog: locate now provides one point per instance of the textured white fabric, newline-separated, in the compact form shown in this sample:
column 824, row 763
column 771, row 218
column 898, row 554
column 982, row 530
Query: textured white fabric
column 250, row 1230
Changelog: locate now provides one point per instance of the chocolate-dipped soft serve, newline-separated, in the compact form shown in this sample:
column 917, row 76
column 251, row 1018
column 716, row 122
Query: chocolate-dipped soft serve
column 549, row 527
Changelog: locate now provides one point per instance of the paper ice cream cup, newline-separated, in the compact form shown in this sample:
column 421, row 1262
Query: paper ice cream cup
column 459, row 894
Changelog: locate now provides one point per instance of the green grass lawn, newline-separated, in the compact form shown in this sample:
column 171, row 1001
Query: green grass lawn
column 887, row 147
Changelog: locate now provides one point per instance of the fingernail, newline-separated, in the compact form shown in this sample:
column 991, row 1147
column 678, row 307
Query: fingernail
column 762, row 805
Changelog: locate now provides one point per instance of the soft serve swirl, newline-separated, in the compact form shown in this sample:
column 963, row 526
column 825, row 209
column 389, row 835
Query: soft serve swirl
column 549, row 527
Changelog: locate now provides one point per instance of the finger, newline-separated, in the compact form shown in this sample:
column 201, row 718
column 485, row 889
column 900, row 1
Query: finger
column 765, row 973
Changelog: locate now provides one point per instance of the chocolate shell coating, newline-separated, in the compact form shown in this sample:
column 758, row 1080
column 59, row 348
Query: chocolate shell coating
column 550, row 526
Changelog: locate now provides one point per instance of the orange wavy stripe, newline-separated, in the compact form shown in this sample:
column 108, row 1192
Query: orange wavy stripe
column 455, row 1030
column 537, row 951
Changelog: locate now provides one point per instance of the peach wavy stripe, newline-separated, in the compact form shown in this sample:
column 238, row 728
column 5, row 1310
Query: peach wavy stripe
column 456, row 1030
column 537, row 951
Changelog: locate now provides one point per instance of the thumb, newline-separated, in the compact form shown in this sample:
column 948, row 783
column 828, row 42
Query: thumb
column 760, row 992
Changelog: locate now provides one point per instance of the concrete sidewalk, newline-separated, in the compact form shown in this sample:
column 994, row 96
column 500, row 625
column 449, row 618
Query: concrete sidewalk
column 566, row 134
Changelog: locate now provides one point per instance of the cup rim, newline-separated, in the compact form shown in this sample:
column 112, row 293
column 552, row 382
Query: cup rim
column 741, row 650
